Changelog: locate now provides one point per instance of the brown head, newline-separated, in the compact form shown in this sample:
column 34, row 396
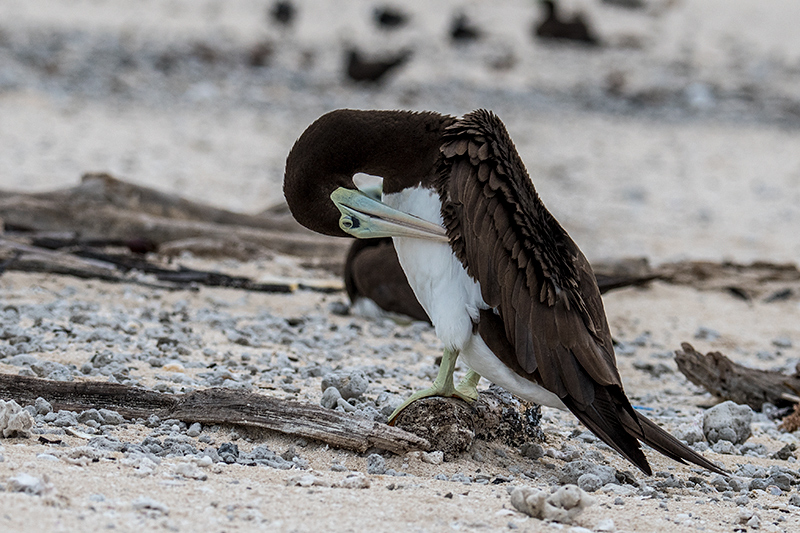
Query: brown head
column 402, row 147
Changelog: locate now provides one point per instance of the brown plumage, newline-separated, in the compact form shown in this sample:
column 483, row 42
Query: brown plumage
column 373, row 271
column 543, row 318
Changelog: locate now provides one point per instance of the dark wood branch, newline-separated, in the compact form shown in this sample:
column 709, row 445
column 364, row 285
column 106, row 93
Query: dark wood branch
column 216, row 406
column 731, row 381
column 102, row 207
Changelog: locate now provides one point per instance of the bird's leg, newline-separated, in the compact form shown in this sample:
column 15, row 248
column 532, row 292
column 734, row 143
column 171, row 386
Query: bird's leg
column 467, row 388
column 443, row 384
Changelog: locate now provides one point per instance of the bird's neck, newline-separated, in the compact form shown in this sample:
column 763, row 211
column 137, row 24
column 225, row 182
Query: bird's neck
column 402, row 147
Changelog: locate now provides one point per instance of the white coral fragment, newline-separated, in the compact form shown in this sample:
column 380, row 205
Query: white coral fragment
column 14, row 420
column 562, row 505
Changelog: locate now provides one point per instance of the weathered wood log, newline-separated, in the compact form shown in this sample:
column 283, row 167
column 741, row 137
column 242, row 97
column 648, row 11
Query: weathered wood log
column 104, row 189
column 216, row 406
column 119, row 268
column 103, row 207
column 731, row 381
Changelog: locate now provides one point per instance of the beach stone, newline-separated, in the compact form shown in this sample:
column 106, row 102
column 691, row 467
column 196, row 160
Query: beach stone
column 42, row 406
column 228, row 452
column 689, row 433
column 28, row 484
column 753, row 449
column 14, row 420
column 149, row 504
column 590, row 482
column 111, row 418
column 725, row 447
column 349, row 384
column 330, row 398
column 605, row 525
column 532, row 450
column 376, row 464
column 782, row 481
column 573, row 470
column 728, row 421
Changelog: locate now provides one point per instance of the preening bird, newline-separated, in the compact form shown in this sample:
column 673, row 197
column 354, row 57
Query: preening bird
column 504, row 285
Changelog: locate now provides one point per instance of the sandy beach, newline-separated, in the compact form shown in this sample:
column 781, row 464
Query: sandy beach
column 675, row 139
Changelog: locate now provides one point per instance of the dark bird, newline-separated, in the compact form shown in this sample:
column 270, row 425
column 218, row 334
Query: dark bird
column 283, row 12
column 389, row 18
column 462, row 30
column 504, row 285
column 361, row 69
column 553, row 27
column 372, row 271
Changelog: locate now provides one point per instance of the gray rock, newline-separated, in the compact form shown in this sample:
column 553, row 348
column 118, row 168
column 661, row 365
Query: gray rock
column 728, row 421
column 794, row 499
column 376, row 464
column 753, row 449
column 590, row 482
column 752, row 471
column 194, row 430
column 782, row 481
column 532, row 450
column 573, row 470
column 785, row 453
column 149, row 504
column 689, row 433
column 349, row 384
column 720, row 483
column 725, row 447
column 229, row 452
column 330, row 397
column 42, row 406
column 111, row 418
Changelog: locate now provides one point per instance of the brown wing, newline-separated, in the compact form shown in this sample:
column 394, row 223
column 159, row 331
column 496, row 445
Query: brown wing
column 534, row 276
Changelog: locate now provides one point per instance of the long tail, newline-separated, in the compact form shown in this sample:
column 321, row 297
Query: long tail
column 663, row 442
column 611, row 418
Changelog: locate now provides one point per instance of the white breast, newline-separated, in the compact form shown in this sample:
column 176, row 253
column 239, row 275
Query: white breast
column 452, row 298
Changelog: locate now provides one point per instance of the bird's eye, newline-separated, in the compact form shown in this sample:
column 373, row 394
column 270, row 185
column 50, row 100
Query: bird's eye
column 348, row 222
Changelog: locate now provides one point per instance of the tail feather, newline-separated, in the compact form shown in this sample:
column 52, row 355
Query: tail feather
column 663, row 442
column 611, row 418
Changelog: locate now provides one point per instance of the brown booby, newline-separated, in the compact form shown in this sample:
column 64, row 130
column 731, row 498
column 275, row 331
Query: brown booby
column 366, row 70
column 389, row 17
column 552, row 26
column 504, row 285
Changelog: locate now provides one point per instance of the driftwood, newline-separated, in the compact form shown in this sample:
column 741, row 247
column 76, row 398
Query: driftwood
column 730, row 381
column 88, row 263
column 103, row 207
column 216, row 406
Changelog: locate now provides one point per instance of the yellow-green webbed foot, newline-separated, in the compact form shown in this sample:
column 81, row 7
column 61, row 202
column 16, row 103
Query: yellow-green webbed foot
column 443, row 385
column 467, row 388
